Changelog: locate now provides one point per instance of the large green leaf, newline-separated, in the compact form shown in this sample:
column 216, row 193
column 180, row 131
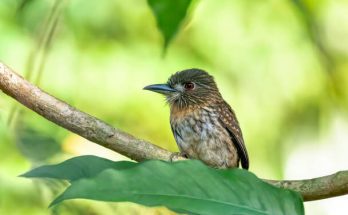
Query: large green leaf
column 169, row 15
column 186, row 186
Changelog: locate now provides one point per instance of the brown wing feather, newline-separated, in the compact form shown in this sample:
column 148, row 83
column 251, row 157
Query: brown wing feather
column 230, row 122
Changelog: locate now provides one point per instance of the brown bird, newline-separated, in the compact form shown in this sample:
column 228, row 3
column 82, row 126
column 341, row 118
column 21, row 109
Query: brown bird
column 204, row 125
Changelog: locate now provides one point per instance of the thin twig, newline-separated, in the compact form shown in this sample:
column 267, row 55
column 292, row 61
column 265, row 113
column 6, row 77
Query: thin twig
column 39, row 53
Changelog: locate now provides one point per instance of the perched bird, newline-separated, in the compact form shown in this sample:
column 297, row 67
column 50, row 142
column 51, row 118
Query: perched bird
column 204, row 125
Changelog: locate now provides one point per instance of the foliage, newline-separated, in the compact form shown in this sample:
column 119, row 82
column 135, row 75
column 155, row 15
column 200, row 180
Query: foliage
column 186, row 186
column 169, row 15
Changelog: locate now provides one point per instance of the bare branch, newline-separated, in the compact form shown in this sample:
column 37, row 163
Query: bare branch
column 317, row 188
column 76, row 121
column 105, row 135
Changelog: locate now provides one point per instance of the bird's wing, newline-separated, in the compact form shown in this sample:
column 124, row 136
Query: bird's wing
column 230, row 122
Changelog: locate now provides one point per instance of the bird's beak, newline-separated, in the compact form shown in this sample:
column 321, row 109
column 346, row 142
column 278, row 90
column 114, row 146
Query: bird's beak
column 164, row 89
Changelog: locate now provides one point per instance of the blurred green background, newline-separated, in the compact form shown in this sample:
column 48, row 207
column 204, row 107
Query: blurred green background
column 282, row 65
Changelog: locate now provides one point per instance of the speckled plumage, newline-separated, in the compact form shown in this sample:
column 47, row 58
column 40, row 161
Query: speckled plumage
column 204, row 125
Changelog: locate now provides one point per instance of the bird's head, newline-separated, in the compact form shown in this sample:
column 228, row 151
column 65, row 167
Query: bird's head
column 188, row 88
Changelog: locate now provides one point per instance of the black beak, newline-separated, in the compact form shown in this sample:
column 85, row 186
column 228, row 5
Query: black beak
column 160, row 88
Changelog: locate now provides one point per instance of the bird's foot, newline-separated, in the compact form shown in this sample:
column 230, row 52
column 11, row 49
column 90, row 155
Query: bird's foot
column 175, row 156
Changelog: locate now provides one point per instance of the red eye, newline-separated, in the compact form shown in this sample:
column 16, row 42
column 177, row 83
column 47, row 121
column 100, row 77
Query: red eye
column 189, row 86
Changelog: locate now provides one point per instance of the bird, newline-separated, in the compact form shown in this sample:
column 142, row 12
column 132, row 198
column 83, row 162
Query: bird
column 204, row 125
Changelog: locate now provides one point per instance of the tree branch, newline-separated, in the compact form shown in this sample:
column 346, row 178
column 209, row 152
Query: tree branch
column 77, row 121
column 317, row 188
column 105, row 135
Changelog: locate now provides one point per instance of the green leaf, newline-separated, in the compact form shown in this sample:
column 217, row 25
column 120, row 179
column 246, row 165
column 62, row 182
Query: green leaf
column 169, row 15
column 86, row 166
column 35, row 145
column 186, row 186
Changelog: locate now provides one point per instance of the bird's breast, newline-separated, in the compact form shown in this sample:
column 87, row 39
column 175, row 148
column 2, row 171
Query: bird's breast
column 195, row 129
column 201, row 135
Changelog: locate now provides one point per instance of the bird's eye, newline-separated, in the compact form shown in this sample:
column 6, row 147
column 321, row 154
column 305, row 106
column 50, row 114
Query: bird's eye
column 189, row 86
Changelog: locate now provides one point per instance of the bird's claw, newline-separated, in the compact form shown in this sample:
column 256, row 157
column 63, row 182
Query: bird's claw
column 175, row 156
